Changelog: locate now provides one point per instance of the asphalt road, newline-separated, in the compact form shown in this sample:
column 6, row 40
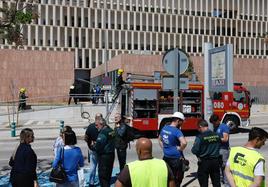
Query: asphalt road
column 43, row 149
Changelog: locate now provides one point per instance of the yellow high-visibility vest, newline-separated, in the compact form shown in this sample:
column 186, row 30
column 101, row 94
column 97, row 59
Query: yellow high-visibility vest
column 242, row 164
column 149, row 173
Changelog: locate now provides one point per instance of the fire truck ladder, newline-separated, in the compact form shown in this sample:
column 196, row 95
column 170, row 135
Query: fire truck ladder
column 116, row 102
column 134, row 77
column 113, row 106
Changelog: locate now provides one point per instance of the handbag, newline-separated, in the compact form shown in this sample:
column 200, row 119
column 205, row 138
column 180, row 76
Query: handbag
column 58, row 174
column 185, row 165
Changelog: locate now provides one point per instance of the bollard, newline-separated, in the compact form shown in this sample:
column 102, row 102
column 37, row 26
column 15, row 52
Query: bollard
column 61, row 125
column 13, row 129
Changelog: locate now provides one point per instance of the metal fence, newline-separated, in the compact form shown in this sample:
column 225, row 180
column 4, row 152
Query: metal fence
column 45, row 103
column 259, row 94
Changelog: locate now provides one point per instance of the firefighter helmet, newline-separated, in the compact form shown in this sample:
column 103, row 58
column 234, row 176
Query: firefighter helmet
column 120, row 71
column 22, row 90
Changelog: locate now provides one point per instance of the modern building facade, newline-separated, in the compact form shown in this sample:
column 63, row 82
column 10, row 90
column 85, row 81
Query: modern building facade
column 145, row 27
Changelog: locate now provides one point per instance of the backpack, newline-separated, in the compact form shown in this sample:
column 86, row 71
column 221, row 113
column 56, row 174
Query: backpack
column 132, row 133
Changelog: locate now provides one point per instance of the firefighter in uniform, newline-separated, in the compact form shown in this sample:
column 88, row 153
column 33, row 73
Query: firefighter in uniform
column 72, row 93
column 105, row 152
column 22, row 99
column 119, row 83
column 246, row 166
column 206, row 147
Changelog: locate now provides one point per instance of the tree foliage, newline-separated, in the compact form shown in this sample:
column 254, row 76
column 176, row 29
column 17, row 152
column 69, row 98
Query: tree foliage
column 15, row 14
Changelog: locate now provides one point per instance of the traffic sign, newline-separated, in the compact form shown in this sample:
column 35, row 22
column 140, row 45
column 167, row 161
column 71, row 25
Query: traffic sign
column 172, row 57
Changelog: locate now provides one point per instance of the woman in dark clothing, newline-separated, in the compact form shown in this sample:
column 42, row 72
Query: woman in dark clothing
column 24, row 161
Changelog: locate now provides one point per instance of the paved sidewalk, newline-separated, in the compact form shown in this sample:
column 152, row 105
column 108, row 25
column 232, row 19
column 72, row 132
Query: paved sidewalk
column 43, row 130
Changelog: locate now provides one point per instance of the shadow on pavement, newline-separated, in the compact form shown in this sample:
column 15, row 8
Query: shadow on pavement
column 194, row 177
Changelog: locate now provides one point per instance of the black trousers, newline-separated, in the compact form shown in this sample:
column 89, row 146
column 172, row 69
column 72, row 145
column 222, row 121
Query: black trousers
column 175, row 165
column 122, row 157
column 70, row 98
column 22, row 104
column 209, row 168
column 106, row 162
column 22, row 180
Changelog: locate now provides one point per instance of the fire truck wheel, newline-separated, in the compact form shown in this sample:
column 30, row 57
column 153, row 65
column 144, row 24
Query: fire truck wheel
column 232, row 122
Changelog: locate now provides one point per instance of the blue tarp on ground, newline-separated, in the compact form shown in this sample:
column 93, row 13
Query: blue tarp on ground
column 43, row 179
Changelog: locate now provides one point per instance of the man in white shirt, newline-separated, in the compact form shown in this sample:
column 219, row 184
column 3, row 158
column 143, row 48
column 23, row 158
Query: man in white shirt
column 245, row 166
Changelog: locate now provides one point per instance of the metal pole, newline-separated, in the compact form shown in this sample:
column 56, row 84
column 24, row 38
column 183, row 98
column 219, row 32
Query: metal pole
column 105, row 56
column 176, row 82
column 207, row 100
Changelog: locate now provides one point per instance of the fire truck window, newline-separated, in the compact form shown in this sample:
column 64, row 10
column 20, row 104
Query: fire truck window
column 145, row 108
column 217, row 96
column 240, row 96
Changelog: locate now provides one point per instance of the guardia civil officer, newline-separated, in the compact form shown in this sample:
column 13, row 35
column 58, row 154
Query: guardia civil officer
column 206, row 147
column 223, row 130
column 105, row 152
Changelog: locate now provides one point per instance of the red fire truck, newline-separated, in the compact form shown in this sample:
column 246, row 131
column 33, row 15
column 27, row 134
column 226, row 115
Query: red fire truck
column 151, row 107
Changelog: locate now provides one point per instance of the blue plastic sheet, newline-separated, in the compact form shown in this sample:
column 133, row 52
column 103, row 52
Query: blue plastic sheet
column 43, row 179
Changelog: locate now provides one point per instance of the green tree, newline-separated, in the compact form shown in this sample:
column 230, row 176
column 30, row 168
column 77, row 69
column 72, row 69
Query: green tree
column 15, row 14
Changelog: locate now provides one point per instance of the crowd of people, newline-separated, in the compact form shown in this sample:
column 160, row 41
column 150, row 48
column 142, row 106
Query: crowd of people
column 240, row 166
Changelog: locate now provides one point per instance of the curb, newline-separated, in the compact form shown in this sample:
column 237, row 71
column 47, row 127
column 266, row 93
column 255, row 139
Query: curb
column 42, row 128
column 13, row 139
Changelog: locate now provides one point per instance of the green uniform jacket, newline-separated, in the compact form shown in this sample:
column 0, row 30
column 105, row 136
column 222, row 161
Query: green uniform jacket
column 105, row 141
column 207, row 145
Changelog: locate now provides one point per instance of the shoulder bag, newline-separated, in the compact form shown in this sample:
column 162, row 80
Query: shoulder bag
column 58, row 174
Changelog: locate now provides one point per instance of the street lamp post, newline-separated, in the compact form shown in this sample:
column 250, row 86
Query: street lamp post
column 105, row 55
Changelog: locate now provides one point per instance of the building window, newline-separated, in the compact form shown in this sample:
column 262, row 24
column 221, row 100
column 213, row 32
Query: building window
column 80, row 62
column 93, row 64
column 79, row 22
column 65, row 20
column 72, row 21
column 86, row 22
column 144, row 28
column 70, row 41
column 87, row 62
